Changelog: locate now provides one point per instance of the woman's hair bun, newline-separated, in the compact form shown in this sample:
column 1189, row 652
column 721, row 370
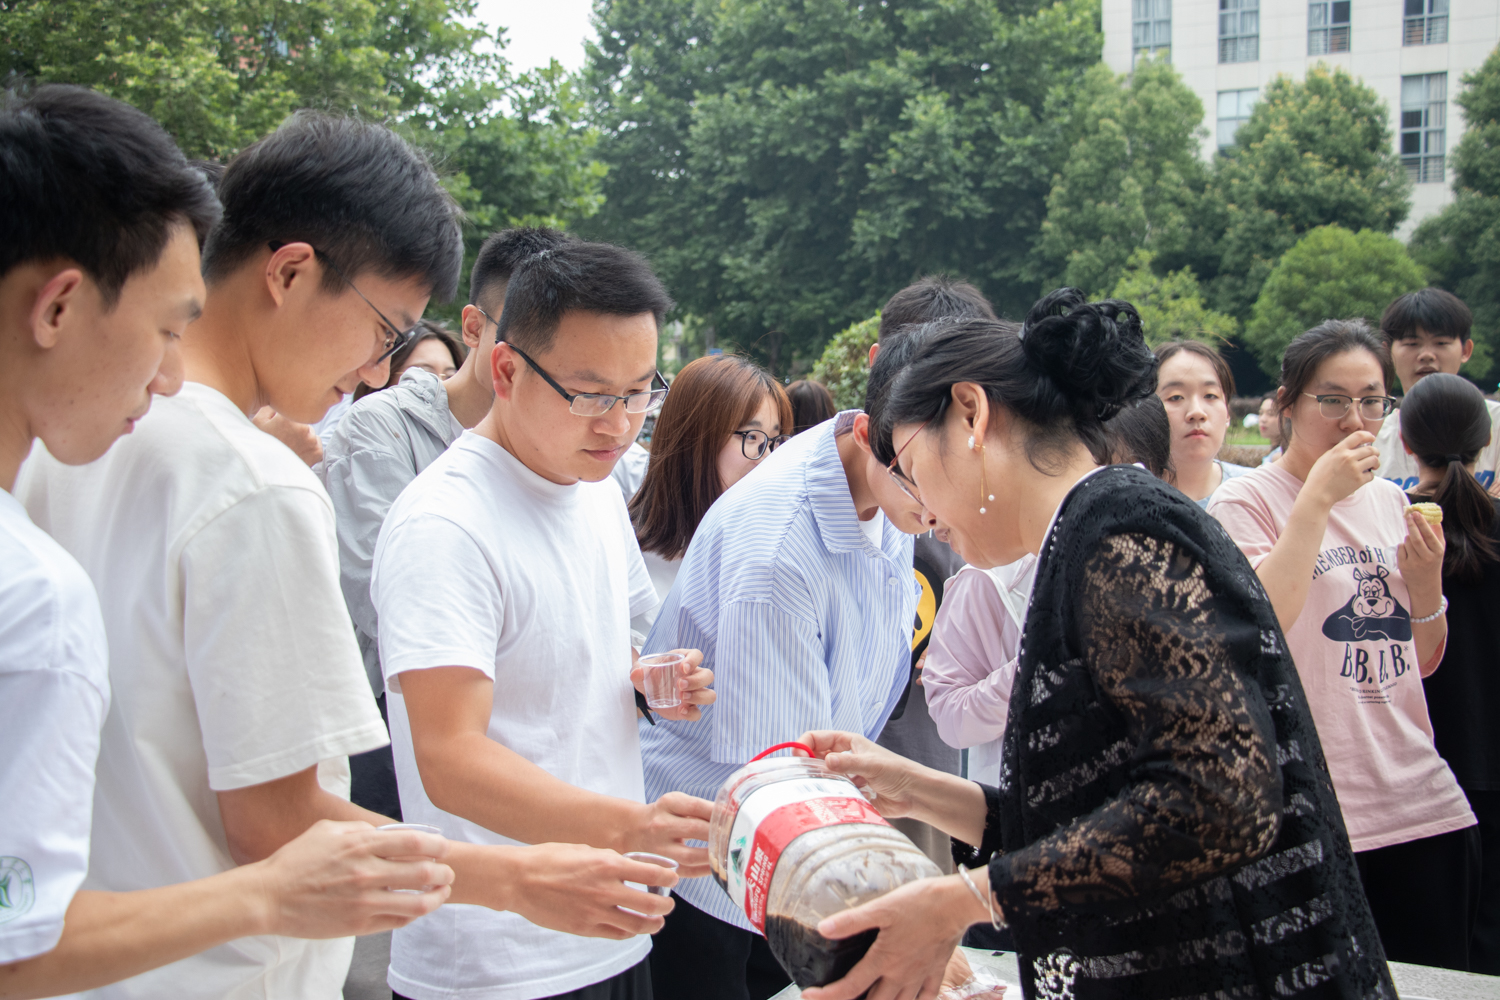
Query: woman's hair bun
column 1094, row 354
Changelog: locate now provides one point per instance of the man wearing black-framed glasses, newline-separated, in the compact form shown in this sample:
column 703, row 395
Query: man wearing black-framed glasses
column 382, row 444
column 504, row 581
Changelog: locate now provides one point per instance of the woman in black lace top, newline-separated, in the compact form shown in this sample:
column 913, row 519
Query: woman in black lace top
column 1164, row 824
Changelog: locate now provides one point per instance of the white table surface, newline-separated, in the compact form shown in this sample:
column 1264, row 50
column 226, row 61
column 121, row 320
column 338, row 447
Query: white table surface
column 1413, row 982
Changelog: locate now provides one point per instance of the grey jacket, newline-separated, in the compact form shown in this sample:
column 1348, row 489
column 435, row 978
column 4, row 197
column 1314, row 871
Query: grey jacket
column 381, row 444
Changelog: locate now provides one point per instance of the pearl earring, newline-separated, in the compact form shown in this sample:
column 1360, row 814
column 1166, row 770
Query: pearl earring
column 971, row 442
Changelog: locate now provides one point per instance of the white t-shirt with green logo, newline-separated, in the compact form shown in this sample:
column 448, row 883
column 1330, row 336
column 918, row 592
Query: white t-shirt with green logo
column 54, row 692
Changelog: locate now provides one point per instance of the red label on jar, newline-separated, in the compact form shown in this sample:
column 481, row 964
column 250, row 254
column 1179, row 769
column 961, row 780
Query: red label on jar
column 784, row 825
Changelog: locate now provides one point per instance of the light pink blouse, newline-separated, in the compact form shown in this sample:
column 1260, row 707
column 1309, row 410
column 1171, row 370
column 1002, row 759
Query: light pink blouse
column 971, row 660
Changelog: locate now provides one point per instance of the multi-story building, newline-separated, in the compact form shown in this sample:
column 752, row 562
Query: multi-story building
column 1411, row 52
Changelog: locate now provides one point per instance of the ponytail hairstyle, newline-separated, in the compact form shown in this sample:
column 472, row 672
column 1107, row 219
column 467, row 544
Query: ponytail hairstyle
column 1445, row 423
column 1072, row 366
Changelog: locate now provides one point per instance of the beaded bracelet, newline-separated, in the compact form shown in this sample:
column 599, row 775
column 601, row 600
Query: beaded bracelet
column 989, row 903
column 1442, row 609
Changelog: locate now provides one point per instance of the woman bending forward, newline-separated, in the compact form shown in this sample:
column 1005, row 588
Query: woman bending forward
column 1164, row 825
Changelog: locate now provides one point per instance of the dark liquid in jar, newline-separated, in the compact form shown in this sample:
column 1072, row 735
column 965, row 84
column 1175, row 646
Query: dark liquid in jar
column 810, row 958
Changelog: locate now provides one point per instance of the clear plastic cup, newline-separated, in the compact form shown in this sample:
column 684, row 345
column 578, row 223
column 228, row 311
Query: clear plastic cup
column 660, row 682
column 653, row 859
column 421, row 828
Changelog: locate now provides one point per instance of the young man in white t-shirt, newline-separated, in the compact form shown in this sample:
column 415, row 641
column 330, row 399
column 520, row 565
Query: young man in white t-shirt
column 238, row 687
column 389, row 437
column 505, row 579
column 1428, row 331
column 98, row 278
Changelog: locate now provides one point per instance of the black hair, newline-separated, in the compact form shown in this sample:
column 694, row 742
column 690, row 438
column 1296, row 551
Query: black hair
column 90, row 180
column 1073, row 365
column 1140, row 432
column 501, row 254
column 933, row 297
column 1300, row 361
column 1216, row 361
column 1445, row 423
column 1440, row 313
column 358, row 193
column 576, row 276
column 812, row 404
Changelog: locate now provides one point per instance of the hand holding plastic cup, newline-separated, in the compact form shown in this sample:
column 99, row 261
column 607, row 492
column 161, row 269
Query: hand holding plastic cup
column 661, row 671
column 420, row 828
column 652, row 859
column 655, row 890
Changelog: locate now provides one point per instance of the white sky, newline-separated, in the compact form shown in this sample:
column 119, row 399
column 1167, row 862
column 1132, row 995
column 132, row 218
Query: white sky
column 540, row 30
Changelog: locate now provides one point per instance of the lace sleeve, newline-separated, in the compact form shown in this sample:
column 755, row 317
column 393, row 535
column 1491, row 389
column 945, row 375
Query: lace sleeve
column 1201, row 789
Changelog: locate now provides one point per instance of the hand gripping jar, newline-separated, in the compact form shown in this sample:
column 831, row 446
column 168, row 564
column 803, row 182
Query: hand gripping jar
column 792, row 843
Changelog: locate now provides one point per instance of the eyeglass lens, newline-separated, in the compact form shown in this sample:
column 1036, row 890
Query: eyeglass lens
column 1370, row 408
column 753, row 444
column 589, row 404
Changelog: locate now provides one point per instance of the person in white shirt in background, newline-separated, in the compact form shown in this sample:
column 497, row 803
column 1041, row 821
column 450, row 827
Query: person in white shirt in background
column 98, row 279
column 388, row 438
column 1428, row 331
column 505, row 578
column 238, row 687
column 724, row 414
column 630, row 471
column 1270, row 429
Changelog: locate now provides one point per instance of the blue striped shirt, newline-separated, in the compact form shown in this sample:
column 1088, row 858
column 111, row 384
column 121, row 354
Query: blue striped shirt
column 805, row 623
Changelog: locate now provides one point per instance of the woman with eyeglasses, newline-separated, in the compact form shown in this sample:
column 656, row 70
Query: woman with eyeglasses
column 1163, row 825
column 724, row 414
column 1355, row 576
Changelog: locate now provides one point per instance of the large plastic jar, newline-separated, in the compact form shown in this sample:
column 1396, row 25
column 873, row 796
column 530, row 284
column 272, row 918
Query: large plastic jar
column 792, row 842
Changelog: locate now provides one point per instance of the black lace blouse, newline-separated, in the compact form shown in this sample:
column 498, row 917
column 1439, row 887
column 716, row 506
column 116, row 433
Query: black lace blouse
column 1165, row 825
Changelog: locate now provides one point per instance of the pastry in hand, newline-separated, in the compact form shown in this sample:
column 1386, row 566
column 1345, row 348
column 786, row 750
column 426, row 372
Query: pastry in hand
column 1431, row 511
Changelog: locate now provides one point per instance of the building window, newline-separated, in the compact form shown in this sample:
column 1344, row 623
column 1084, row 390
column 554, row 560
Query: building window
column 1426, row 22
column 1239, row 31
column 1327, row 27
column 1424, row 111
column 1152, row 28
column 1234, row 111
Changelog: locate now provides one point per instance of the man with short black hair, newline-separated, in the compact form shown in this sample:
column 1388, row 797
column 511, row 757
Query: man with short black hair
column 387, row 438
column 99, row 276
column 1428, row 331
column 930, row 298
column 505, row 579
column 238, row 686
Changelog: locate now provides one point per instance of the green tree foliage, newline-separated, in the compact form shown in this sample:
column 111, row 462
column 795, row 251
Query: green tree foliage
column 1313, row 153
column 219, row 74
column 788, row 164
column 1331, row 273
column 844, row 365
column 1171, row 306
column 1131, row 179
column 1461, row 244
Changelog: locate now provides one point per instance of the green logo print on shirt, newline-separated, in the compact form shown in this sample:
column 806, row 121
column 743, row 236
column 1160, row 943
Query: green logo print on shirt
column 17, row 888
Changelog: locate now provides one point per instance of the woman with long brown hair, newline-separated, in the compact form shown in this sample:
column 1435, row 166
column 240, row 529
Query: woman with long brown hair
column 724, row 414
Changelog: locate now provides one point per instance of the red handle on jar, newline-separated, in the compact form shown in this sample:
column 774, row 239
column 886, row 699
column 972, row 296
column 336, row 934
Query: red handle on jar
column 781, row 746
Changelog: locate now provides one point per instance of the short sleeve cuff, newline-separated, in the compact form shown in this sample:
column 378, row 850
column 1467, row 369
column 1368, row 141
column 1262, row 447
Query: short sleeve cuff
column 17, row 944
column 358, row 739
column 432, row 659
